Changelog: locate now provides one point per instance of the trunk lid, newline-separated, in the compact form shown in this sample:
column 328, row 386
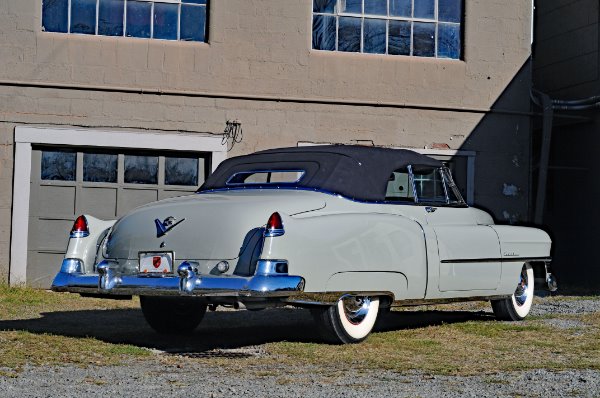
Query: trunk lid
column 206, row 226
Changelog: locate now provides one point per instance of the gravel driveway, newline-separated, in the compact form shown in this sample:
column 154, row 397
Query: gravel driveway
column 182, row 374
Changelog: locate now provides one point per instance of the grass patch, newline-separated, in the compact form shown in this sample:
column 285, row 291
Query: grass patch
column 20, row 347
column 26, row 302
column 464, row 348
column 480, row 346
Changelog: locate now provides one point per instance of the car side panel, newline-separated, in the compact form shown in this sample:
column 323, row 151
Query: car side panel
column 323, row 245
column 519, row 245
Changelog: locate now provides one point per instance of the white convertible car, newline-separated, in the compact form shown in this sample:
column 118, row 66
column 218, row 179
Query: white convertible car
column 346, row 231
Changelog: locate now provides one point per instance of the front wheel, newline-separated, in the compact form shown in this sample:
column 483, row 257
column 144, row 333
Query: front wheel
column 173, row 315
column 516, row 307
column 349, row 321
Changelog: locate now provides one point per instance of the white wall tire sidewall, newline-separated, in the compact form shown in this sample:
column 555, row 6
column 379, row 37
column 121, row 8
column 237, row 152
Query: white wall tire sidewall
column 523, row 310
column 361, row 330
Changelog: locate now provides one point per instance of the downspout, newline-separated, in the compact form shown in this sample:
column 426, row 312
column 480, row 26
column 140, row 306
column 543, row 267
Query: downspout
column 548, row 106
column 548, row 115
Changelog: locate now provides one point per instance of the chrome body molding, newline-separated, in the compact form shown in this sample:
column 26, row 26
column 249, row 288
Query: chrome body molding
column 109, row 281
column 330, row 298
column 495, row 260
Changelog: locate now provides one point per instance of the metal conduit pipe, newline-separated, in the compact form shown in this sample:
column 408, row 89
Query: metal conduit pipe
column 583, row 101
column 548, row 106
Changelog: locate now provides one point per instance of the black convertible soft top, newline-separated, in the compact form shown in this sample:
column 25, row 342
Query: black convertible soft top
column 356, row 172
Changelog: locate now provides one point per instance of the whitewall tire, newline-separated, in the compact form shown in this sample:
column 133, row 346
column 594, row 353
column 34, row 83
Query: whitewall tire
column 349, row 321
column 517, row 307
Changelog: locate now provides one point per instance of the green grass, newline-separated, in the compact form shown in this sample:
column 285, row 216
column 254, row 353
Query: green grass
column 21, row 347
column 465, row 348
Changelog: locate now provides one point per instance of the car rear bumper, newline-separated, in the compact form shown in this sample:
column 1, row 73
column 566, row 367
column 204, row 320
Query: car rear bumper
column 187, row 283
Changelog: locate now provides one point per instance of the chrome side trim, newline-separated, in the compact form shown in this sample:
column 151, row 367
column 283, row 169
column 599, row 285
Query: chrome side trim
column 72, row 266
column 79, row 234
column 330, row 298
column 297, row 188
column 495, row 260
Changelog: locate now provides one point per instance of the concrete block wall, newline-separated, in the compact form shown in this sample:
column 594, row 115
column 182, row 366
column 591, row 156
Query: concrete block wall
column 263, row 48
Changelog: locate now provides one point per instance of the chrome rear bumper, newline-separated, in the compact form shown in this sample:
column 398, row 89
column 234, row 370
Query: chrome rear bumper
column 187, row 283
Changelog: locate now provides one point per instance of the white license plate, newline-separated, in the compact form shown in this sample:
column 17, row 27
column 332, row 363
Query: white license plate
column 156, row 263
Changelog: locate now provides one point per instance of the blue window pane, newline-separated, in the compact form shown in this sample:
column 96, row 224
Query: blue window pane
column 376, row 7
column 327, row 6
column 349, row 34
column 55, row 15
column 165, row 21
column 58, row 165
column 141, row 169
column 181, row 171
column 323, row 32
column 424, row 39
column 450, row 10
column 193, row 20
column 399, row 38
column 83, row 16
column 400, row 8
column 138, row 19
column 374, row 36
column 449, row 41
column 100, row 167
column 194, row 1
column 353, row 6
column 110, row 17
column 424, row 9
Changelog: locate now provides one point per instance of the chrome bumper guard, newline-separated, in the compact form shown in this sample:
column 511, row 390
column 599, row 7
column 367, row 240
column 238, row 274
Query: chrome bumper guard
column 266, row 283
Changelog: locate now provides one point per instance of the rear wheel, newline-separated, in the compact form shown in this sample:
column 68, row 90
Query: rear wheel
column 516, row 307
column 173, row 315
column 349, row 321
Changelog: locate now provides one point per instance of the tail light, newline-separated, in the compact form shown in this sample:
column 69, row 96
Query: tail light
column 274, row 226
column 80, row 228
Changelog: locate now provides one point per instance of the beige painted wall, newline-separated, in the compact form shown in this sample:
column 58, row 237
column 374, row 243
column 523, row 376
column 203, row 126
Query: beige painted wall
column 262, row 47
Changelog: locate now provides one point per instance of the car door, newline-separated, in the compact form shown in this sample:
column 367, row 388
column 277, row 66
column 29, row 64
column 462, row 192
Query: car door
column 469, row 254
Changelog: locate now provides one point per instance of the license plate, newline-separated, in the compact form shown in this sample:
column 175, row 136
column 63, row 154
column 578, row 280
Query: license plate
column 156, row 263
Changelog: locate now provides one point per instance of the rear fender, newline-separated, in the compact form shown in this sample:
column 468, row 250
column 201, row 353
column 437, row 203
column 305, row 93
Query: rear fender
column 362, row 249
column 86, row 248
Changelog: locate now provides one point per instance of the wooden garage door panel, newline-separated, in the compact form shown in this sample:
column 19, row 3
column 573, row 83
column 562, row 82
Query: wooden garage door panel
column 99, row 202
column 93, row 190
column 49, row 234
column 131, row 198
column 53, row 200
column 47, row 265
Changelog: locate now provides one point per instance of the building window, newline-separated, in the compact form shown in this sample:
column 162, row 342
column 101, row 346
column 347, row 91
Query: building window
column 161, row 19
column 420, row 28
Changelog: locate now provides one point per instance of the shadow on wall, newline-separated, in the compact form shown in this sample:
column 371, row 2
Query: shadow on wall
column 501, row 141
column 507, row 163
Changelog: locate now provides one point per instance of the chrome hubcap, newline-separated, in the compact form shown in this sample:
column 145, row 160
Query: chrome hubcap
column 356, row 308
column 521, row 292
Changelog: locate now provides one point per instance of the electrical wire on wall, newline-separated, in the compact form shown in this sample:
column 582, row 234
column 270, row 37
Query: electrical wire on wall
column 233, row 133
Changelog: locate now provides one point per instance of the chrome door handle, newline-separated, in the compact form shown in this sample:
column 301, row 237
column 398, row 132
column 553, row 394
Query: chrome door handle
column 430, row 209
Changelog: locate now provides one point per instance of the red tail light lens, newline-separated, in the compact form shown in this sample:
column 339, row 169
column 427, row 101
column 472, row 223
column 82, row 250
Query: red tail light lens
column 80, row 228
column 274, row 226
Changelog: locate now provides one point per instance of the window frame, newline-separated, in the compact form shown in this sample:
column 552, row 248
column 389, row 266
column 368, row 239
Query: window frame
column 180, row 3
column 337, row 14
column 301, row 174
column 443, row 171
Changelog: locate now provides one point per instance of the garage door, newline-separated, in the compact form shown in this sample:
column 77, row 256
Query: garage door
column 104, row 183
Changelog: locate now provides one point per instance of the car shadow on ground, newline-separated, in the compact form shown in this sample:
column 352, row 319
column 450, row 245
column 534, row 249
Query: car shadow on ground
column 218, row 330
